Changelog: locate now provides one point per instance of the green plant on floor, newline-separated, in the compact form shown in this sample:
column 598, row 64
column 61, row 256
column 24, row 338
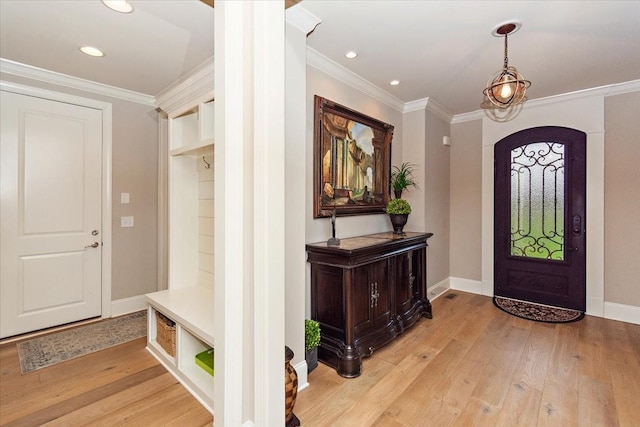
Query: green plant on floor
column 311, row 334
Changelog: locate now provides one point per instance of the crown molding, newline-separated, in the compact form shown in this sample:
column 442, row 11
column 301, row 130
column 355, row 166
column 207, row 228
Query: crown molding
column 428, row 104
column 601, row 91
column 46, row 76
column 324, row 64
column 417, row 105
column 438, row 110
column 197, row 86
column 467, row 117
column 302, row 19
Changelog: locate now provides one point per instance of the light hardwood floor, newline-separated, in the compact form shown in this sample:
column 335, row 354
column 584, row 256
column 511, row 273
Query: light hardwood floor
column 120, row 386
column 470, row 365
column 474, row 365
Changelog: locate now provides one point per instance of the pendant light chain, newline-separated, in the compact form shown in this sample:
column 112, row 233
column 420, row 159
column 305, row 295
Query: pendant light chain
column 506, row 59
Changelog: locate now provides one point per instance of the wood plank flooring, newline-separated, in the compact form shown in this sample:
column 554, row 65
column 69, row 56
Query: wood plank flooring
column 474, row 365
column 471, row 365
column 120, row 386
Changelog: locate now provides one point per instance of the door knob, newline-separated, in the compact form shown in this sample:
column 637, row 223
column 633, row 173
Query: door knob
column 95, row 245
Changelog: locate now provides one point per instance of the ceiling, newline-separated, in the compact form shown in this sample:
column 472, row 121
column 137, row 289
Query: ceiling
column 442, row 50
column 146, row 51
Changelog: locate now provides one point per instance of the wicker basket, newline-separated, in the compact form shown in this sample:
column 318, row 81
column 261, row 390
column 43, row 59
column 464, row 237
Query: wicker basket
column 166, row 333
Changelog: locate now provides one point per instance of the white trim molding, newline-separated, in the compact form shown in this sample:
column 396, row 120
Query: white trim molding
column 193, row 88
column 46, row 76
column 434, row 291
column 302, row 19
column 622, row 312
column 603, row 91
column 124, row 306
column 303, row 379
column 316, row 60
column 466, row 285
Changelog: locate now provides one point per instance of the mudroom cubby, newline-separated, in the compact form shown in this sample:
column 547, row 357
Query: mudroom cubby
column 194, row 333
column 189, row 299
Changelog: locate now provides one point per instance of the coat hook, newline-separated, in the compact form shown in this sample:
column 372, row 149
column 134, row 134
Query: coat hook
column 207, row 165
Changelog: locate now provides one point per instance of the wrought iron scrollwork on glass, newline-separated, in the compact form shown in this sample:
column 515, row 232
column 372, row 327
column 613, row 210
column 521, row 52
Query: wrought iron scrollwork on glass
column 537, row 200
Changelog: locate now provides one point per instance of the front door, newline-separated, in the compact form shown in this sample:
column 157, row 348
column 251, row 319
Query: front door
column 50, row 213
column 540, row 222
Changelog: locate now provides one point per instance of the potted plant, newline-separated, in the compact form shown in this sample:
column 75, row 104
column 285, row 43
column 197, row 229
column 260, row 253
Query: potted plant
column 402, row 178
column 398, row 210
column 311, row 343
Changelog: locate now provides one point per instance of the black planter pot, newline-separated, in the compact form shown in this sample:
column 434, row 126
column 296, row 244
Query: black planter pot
column 398, row 222
column 311, row 356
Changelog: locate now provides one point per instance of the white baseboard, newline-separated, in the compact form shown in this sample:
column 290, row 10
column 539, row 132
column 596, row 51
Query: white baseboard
column 434, row 291
column 595, row 307
column 301, row 369
column 613, row 311
column 128, row 305
column 622, row 312
column 466, row 285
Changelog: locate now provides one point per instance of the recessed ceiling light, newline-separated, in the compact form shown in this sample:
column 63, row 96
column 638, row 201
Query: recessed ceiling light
column 121, row 6
column 394, row 82
column 351, row 54
column 91, row 51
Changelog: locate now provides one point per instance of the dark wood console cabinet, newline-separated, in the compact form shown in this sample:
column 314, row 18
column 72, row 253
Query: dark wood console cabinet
column 366, row 292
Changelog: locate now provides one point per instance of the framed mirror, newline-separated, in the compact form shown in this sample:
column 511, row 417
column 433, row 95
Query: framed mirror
column 351, row 161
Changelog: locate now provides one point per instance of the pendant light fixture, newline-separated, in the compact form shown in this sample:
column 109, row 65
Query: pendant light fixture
column 507, row 87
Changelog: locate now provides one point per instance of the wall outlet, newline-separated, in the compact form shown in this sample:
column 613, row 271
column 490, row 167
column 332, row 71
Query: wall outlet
column 126, row 221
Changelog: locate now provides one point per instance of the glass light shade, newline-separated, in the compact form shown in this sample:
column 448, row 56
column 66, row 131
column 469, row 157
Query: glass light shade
column 506, row 87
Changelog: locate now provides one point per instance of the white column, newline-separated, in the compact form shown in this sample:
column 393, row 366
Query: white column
column 249, row 216
column 299, row 24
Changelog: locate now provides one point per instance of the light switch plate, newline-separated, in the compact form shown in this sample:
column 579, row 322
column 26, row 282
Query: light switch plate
column 124, row 198
column 126, row 221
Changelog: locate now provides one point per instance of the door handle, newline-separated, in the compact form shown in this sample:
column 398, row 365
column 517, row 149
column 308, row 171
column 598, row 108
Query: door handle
column 94, row 245
column 577, row 224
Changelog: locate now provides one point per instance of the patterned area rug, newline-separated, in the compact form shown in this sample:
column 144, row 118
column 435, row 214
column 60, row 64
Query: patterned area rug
column 48, row 350
column 537, row 312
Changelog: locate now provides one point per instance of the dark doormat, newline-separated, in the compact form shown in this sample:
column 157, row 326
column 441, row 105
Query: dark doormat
column 537, row 312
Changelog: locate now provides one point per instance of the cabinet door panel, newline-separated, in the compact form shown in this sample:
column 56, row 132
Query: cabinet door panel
column 361, row 294
column 404, row 283
column 379, row 298
column 327, row 291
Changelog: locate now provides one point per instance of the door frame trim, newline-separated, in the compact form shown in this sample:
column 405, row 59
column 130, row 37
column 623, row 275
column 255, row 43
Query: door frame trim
column 107, row 120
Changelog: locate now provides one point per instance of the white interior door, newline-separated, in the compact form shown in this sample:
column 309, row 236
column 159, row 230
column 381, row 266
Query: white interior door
column 50, row 213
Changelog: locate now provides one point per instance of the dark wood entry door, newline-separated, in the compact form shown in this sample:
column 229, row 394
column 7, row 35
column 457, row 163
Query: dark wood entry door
column 540, row 217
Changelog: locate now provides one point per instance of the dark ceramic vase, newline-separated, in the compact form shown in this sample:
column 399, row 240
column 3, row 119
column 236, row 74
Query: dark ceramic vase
column 290, row 389
column 398, row 222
